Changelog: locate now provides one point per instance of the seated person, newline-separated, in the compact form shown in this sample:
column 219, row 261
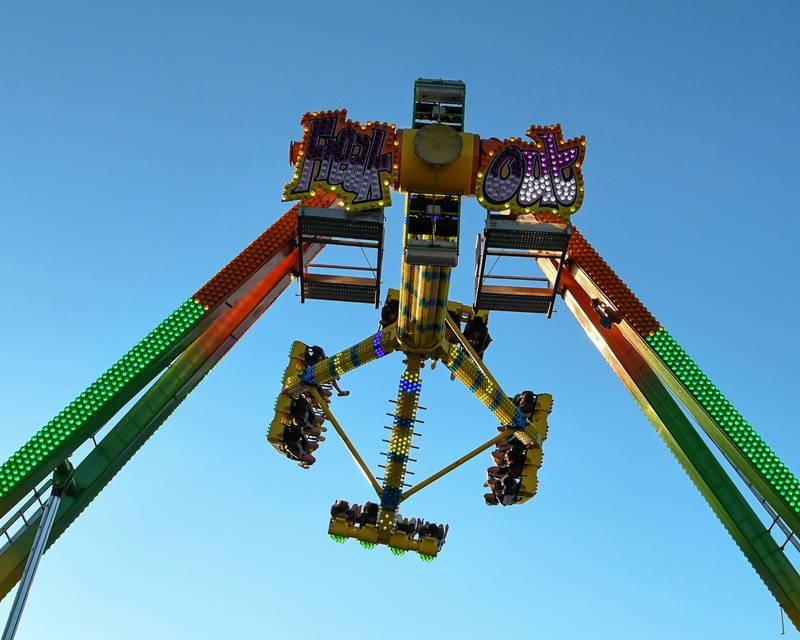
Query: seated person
column 390, row 313
column 302, row 413
column 500, row 449
column 368, row 515
column 433, row 530
column 307, row 459
column 409, row 527
column 514, row 459
column 342, row 509
column 494, row 487
column 297, row 445
column 526, row 401
column 500, row 472
column 477, row 334
column 509, row 488
column 504, row 490
column 497, row 455
column 314, row 355
column 511, row 463
column 293, row 441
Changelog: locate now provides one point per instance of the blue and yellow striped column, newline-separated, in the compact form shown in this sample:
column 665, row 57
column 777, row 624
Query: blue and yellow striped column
column 423, row 287
column 399, row 445
column 424, row 293
column 404, row 325
column 431, row 323
column 441, row 303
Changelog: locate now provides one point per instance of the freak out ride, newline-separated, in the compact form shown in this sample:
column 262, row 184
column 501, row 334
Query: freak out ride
column 343, row 178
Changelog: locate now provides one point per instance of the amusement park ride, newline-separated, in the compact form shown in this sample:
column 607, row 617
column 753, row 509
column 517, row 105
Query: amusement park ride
column 344, row 172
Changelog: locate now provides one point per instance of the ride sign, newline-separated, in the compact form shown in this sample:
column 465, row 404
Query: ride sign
column 361, row 164
column 356, row 161
column 542, row 176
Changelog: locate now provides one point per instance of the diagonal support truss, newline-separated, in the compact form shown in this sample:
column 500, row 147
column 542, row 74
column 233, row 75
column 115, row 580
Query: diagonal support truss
column 347, row 443
column 453, row 465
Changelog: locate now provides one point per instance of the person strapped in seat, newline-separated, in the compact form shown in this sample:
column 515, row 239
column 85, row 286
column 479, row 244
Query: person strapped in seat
column 303, row 414
column 526, row 401
column 342, row 509
column 302, row 437
column 505, row 477
column 298, row 446
column 432, row 530
column 477, row 334
column 314, row 355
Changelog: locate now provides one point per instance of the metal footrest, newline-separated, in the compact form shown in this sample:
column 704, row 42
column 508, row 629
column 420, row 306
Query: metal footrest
column 437, row 254
column 363, row 230
column 505, row 237
column 542, row 237
column 521, row 299
column 341, row 288
column 335, row 223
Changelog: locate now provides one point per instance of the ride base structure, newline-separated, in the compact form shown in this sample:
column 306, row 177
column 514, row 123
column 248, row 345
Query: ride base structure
column 343, row 177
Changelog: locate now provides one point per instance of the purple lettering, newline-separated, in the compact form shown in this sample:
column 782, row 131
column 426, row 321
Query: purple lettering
column 504, row 175
column 348, row 158
column 371, row 189
column 318, row 138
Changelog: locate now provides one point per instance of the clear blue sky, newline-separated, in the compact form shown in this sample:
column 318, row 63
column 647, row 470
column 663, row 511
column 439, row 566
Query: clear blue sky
column 142, row 146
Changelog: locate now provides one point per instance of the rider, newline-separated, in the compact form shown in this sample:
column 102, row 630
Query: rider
column 316, row 354
column 526, row 401
column 477, row 334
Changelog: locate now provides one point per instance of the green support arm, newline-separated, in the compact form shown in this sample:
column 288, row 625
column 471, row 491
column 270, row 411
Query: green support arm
column 122, row 442
column 56, row 441
column 763, row 470
column 83, row 417
column 685, row 443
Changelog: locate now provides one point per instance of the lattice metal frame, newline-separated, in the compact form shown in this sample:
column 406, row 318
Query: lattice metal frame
column 335, row 226
column 506, row 237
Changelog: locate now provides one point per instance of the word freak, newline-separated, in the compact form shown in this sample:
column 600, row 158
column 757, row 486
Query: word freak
column 348, row 156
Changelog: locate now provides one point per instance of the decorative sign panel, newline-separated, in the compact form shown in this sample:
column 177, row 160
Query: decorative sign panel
column 542, row 176
column 357, row 162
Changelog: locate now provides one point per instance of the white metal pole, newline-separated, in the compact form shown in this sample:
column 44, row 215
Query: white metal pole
column 37, row 550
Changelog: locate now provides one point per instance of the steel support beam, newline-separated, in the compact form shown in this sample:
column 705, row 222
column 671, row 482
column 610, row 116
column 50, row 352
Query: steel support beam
column 686, row 444
column 151, row 410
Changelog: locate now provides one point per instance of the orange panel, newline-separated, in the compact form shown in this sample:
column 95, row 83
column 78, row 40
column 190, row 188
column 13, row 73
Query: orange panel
column 631, row 308
column 256, row 254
